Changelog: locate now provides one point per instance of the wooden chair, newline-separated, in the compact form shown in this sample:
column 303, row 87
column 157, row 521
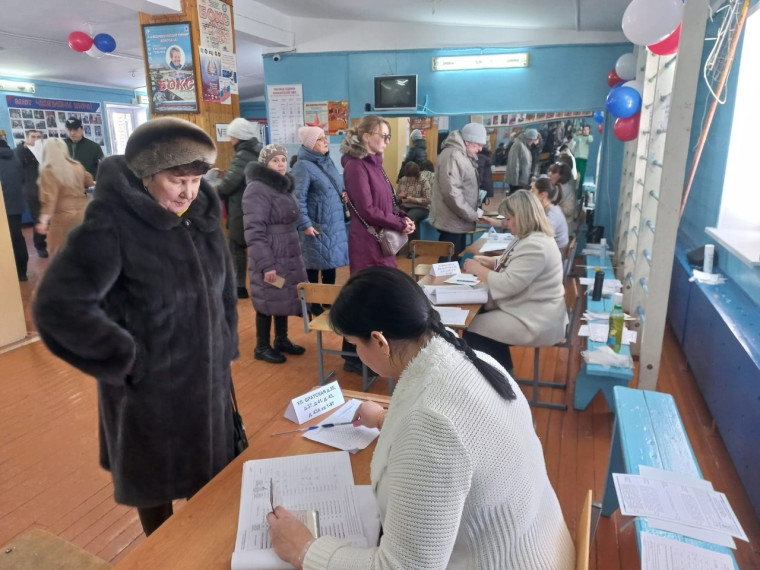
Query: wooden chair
column 573, row 309
column 435, row 249
column 583, row 534
column 567, row 262
column 326, row 294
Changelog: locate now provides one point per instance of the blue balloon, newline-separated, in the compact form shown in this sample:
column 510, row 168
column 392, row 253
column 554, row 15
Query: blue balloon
column 104, row 42
column 623, row 102
column 598, row 116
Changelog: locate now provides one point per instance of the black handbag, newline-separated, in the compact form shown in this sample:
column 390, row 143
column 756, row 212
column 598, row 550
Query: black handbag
column 240, row 440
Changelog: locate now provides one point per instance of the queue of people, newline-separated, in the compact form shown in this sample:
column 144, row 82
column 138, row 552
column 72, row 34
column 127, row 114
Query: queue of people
column 129, row 283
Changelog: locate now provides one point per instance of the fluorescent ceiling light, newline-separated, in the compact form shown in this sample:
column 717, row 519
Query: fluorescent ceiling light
column 22, row 86
column 486, row 61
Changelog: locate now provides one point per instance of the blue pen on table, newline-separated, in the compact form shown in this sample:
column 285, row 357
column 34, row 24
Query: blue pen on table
column 314, row 427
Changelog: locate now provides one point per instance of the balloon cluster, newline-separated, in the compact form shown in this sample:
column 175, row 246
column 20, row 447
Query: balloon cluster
column 95, row 47
column 655, row 24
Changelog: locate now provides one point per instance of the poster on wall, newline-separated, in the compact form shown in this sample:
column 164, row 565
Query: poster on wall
column 49, row 117
column 285, row 103
column 215, row 24
column 519, row 119
column 212, row 89
column 315, row 114
column 337, row 117
column 169, row 50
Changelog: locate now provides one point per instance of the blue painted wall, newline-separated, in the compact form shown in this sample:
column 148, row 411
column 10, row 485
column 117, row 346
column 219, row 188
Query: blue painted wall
column 48, row 89
column 253, row 110
column 703, row 206
column 567, row 78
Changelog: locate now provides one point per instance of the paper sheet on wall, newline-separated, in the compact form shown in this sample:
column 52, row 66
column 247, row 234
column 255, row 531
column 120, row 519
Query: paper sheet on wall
column 320, row 481
column 347, row 438
column 660, row 553
column 285, row 104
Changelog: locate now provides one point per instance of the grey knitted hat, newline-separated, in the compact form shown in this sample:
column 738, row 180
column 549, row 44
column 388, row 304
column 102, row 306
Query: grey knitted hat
column 270, row 151
column 167, row 142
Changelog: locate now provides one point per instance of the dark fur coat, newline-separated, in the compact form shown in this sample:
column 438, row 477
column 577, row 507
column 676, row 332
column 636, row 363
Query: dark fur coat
column 144, row 301
column 270, row 211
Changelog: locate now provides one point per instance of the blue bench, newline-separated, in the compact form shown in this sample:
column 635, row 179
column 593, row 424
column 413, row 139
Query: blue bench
column 649, row 431
column 593, row 377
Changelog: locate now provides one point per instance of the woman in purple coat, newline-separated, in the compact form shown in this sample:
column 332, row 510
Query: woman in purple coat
column 275, row 265
column 370, row 196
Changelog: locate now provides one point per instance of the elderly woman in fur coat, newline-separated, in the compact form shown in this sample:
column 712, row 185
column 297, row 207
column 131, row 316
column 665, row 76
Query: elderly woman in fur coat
column 143, row 298
column 270, row 210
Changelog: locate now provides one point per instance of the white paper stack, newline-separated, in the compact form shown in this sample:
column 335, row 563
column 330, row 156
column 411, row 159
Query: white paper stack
column 348, row 438
column 456, row 294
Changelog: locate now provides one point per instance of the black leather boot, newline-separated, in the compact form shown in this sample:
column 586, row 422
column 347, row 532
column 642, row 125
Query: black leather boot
column 269, row 354
column 281, row 340
column 283, row 344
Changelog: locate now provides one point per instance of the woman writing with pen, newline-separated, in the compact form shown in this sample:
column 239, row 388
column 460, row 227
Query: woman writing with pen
column 458, row 471
column 526, row 299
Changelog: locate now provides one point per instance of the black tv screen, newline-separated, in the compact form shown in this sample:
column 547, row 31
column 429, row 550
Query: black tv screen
column 396, row 92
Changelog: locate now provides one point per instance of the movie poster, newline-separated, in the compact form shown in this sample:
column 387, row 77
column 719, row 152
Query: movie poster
column 49, row 116
column 169, row 52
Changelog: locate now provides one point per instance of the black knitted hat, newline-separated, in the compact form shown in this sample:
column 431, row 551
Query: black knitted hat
column 165, row 143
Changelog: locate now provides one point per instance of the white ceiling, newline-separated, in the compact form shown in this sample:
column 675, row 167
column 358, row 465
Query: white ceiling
column 33, row 34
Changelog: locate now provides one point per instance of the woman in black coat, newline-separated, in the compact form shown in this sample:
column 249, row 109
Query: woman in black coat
column 276, row 267
column 143, row 298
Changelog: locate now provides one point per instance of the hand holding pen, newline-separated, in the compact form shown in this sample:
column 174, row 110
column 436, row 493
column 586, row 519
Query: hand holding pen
column 370, row 414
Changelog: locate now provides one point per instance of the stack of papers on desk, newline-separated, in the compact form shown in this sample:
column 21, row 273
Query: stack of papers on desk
column 599, row 332
column 496, row 242
column 456, row 294
column 348, row 438
column 682, row 504
column 610, row 285
column 320, row 481
column 452, row 316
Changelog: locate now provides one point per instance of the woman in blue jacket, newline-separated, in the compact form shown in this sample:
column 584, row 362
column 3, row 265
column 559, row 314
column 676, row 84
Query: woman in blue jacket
column 322, row 224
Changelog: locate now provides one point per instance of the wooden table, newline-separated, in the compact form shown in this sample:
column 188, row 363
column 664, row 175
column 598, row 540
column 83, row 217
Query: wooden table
column 473, row 308
column 202, row 534
column 474, row 247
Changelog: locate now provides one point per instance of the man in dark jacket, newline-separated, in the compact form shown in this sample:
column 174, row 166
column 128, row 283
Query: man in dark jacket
column 12, row 181
column 417, row 151
column 231, row 188
column 31, row 192
column 82, row 149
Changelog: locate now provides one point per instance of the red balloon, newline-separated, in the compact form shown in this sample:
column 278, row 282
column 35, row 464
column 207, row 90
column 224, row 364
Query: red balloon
column 600, row 128
column 627, row 128
column 613, row 78
column 669, row 45
column 79, row 41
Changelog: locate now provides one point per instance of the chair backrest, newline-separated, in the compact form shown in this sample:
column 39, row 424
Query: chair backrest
column 567, row 263
column 583, row 534
column 435, row 249
column 321, row 293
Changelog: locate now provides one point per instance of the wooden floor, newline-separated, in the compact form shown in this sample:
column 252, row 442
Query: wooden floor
column 50, row 479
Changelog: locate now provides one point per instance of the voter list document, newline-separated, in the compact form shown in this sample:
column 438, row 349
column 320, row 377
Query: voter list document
column 320, row 481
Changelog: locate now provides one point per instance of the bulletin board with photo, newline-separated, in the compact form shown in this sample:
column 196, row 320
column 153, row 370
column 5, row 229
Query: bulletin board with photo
column 519, row 119
column 49, row 117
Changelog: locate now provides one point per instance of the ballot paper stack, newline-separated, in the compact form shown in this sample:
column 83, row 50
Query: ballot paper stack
column 320, row 481
column 683, row 505
column 346, row 437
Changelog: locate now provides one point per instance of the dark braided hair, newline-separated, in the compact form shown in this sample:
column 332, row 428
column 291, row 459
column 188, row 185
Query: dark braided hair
column 388, row 300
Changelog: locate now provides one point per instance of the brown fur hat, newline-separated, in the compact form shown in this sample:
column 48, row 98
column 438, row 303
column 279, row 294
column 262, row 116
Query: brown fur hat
column 167, row 142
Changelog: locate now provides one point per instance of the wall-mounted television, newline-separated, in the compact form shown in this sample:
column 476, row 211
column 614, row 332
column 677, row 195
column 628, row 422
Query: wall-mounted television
column 396, row 93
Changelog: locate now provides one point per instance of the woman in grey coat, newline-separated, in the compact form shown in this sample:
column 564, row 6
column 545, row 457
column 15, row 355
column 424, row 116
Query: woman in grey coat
column 143, row 298
column 276, row 267
column 320, row 191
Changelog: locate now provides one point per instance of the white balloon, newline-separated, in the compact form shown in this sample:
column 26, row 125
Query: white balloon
column 649, row 21
column 626, row 67
column 94, row 52
column 637, row 85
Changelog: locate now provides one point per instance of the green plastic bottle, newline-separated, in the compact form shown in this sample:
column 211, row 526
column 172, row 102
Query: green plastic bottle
column 617, row 322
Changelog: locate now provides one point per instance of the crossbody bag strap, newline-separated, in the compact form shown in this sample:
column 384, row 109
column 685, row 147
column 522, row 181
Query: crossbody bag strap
column 334, row 183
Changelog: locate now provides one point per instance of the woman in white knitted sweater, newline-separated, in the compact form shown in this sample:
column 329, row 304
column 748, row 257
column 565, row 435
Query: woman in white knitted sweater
column 458, row 471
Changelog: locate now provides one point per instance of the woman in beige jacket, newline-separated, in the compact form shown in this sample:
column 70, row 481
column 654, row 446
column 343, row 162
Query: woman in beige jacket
column 526, row 299
column 63, row 198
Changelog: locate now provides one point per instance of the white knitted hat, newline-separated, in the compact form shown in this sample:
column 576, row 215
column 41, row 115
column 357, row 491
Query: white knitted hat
column 240, row 129
column 474, row 133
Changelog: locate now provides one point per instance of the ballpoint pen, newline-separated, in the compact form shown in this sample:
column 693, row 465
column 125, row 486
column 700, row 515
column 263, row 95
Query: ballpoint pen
column 271, row 494
column 314, row 427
